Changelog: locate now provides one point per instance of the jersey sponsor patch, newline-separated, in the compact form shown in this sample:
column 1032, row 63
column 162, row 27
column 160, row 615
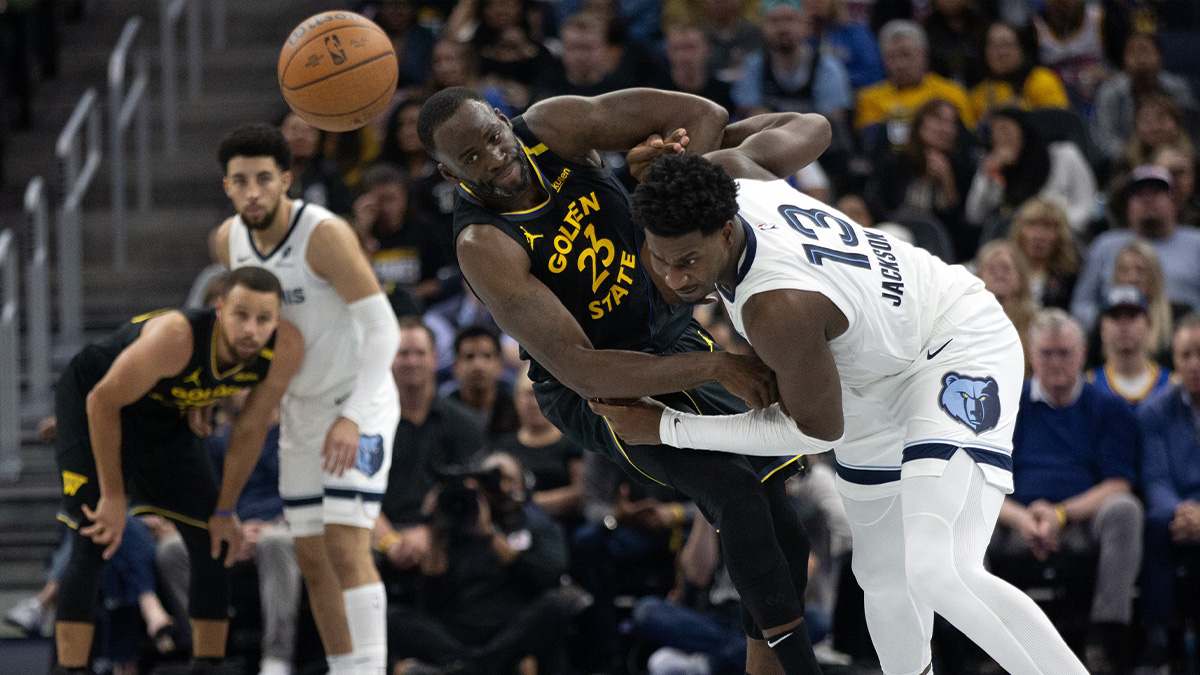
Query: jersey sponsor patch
column 370, row 454
column 973, row 402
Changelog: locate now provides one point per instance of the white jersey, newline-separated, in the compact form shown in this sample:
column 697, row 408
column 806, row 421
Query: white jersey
column 332, row 339
column 892, row 293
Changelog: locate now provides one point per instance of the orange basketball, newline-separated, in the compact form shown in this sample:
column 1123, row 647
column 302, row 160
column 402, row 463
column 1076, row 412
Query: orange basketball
column 338, row 70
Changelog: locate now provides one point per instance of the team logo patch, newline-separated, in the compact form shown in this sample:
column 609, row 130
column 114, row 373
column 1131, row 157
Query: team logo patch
column 973, row 402
column 72, row 482
column 370, row 454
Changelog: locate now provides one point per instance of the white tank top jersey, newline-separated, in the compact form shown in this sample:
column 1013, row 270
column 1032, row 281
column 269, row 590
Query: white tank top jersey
column 892, row 293
column 332, row 339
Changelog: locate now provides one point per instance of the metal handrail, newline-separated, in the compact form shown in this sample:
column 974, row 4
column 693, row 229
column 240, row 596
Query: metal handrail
column 75, row 182
column 37, row 300
column 10, row 391
column 122, row 106
column 170, row 12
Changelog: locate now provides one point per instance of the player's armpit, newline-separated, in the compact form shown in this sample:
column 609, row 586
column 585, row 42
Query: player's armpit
column 334, row 254
column 790, row 331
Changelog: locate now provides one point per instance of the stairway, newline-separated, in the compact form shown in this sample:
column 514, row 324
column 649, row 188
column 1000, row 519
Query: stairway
column 167, row 244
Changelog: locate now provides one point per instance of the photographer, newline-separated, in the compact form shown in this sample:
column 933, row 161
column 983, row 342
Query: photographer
column 489, row 593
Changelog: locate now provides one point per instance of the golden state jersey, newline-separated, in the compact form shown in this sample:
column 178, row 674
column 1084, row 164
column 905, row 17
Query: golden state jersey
column 583, row 244
column 199, row 384
column 332, row 339
column 892, row 293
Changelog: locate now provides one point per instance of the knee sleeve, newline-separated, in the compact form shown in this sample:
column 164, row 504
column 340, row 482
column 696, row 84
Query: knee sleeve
column 208, row 595
column 756, row 563
column 79, row 585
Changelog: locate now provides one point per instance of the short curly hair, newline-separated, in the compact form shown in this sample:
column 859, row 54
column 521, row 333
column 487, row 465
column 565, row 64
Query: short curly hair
column 255, row 140
column 684, row 193
column 439, row 109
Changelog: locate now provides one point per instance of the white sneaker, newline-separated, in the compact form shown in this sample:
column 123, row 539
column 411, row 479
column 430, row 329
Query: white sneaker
column 671, row 661
column 828, row 656
column 271, row 665
column 27, row 616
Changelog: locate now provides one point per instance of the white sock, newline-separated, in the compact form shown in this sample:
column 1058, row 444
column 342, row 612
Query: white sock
column 273, row 665
column 342, row 664
column 366, row 614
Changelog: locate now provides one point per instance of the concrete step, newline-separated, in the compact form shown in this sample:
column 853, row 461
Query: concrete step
column 24, row 574
column 166, row 240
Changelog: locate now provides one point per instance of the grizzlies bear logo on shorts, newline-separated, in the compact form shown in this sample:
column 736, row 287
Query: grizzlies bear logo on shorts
column 370, row 454
column 971, row 401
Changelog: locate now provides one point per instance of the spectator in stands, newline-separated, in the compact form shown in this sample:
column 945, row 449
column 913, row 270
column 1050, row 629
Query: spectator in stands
column 1020, row 166
column 555, row 463
column 1041, row 231
column 1180, row 161
column 489, row 593
column 407, row 252
column 1128, row 370
column 627, row 545
column 688, row 64
column 1171, row 480
column 267, row 548
column 1014, row 79
column 788, row 75
column 813, row 181
column 1157, row 123
column 1075, row 453
column 856, row 207
column 928, row 176
column 639, row 20
column 431, row 196
column 1138, row 266
column 314, row 178
column 433, row 432
column 731, row 36
column 412, row 41
column 1006, row 275
column 909, row 85
column 853, row 44
column 589, row 66
column 499, row 32
column 1152, row 215
column 956, row 30
column 477, row 366
column 1070, row 40
column 454, row 65
column 1113, row 118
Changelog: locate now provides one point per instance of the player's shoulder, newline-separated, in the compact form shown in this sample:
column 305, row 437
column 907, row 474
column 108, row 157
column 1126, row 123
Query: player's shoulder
column 172, row 329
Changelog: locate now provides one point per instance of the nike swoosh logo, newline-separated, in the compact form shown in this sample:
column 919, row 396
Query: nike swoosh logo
column 243, row 259
column 339, row 401
column 781, row 638
column 929, row 356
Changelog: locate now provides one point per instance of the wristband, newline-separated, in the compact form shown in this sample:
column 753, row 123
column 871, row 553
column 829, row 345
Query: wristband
column 386, row 541
column 225, row 513
column 1062, row 515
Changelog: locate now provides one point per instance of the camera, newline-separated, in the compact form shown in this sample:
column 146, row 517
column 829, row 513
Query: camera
column 456, row 509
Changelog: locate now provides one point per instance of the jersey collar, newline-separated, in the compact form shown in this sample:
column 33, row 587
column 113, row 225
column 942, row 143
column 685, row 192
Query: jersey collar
column 746, row 260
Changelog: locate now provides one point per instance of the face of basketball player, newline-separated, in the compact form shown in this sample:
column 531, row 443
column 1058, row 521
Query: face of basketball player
column 247, row 318
column 692, row 265
column 478, row 148
column 256, row 186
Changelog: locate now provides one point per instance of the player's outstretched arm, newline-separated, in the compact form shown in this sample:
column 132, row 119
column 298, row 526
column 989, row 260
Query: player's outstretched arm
column 249, row 433
column 526, row 309
column 335, row 255
column 162, row 350
column 575, row 126
column 772, row 146
column 790, row 331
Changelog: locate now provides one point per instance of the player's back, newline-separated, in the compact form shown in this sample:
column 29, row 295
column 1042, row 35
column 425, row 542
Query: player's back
column 310, row 303
column 892, row 293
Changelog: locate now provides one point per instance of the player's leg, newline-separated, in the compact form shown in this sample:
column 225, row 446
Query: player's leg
column 352, row 503
column 302, row 428
column 960, row 409
column 279, row 593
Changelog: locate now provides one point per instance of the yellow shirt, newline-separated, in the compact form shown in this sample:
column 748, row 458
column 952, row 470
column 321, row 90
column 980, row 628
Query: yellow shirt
column 884, row 103
column 1042, row 89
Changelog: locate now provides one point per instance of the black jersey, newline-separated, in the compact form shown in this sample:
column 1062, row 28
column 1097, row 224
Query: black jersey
column 583, row 244
column 197, row 385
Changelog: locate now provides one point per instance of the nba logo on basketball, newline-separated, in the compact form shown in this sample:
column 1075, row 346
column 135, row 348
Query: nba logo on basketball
column 334, row 45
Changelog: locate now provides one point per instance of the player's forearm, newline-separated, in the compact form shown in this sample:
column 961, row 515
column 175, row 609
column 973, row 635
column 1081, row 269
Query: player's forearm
column 764, row 433
column 104, row 429
column 381, row 340
column 245, row 445
column 611, row 373
column 782, row 143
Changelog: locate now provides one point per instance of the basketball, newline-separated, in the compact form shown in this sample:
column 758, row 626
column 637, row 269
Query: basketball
column 338, row 70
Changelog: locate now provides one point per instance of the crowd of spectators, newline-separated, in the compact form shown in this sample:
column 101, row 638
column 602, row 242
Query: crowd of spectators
column 1044, row 144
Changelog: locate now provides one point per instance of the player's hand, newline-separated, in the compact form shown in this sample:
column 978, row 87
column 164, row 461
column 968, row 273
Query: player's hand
column 341, row 447
column 200, row 421
column 643, row 154
column 635, row 422
column 225, row 530
column 748, row 378
column 108, row 523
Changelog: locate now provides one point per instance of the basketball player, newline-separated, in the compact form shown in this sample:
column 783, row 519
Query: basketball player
column 126, row 409
column 920, row 358
column 544, row 235
column 340, row 414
